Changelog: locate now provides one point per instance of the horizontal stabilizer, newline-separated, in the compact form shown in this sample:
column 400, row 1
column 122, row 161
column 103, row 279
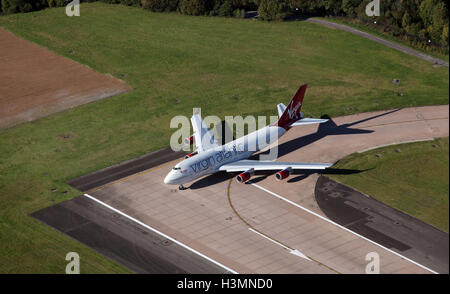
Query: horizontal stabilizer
column 308, row 121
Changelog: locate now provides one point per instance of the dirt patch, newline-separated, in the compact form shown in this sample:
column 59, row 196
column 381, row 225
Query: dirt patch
column 35, row 82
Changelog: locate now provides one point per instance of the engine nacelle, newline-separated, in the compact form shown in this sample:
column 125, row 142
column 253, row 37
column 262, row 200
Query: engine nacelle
column 189, row 140
column 190, row 155
column 283, row 174
column 245, row 176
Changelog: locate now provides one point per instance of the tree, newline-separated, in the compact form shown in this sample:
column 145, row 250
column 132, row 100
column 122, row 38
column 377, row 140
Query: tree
column 14, row 6
column 56, row 3
column 160, row 5
column 272, row 9
column 349, row 6
column 226, row 9
column 332, row 7
column 426, row 12
column 196, row 7
column 406, row 20
column 439, row 19
column 434, row 16
column 130, row 2
column 444, row 36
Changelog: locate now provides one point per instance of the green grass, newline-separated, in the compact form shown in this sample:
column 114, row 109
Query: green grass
column 414, row 180
column 373, row 31
column 176, row 62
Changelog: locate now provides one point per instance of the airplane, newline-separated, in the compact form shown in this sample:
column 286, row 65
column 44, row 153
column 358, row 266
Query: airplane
column 211, row 157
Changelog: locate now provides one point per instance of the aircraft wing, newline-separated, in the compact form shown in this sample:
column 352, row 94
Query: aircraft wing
column 203, row 137
column 243, row 165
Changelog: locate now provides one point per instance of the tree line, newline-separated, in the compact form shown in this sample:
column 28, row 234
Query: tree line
column 423, row 23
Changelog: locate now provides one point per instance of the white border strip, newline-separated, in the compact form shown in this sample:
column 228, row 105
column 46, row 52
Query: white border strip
column 160, row 233
column 396, row 143
column 270, row 239
column 291, row 251
column 342, row 227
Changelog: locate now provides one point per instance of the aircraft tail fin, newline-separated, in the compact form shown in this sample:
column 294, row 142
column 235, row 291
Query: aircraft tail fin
column 291, row 113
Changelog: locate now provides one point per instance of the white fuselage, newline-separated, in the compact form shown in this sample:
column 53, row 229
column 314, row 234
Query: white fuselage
column 209, row 162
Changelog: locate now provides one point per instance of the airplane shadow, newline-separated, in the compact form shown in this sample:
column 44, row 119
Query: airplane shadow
column 223, row 176
column 262, row 175
column 329, row 171
column 325, row 129
column 298, row 178
column 211, row 180
column 256, row 180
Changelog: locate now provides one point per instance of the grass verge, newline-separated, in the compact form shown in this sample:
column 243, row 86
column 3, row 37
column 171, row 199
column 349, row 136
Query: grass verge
column 412, row 177
column 386, row 36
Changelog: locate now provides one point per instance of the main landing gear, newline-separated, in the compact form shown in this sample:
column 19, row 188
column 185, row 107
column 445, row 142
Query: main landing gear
column 181, row 187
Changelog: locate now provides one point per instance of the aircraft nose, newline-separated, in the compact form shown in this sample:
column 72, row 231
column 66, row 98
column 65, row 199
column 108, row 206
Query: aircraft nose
column 167, row 179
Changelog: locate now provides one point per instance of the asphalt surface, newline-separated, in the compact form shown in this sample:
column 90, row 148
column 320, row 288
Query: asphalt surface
column 201, row 218
column 393, row 45
column 385, row 225
column 124, row 169
column 123, row 240
column 117, row 237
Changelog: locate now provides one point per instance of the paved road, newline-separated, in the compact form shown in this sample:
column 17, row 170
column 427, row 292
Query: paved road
column 117, row 237
column 383, row 224
column 393, row 45
column 203, row 218
column 123, row 240
column 124, row 169
column 342, row 136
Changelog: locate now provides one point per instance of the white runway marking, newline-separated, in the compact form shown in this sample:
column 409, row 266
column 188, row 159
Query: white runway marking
column 396, row 143
column 291, row 251
column 338, row 225
column 160, row 233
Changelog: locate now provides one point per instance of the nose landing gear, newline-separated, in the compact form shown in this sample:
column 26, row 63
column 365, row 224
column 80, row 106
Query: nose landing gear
column 181, row 187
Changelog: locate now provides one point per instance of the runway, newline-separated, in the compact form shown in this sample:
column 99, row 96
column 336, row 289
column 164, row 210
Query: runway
column 122, row 239
column 275, row 227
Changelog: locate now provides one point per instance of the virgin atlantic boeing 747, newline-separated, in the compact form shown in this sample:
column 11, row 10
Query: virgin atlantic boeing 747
column 211, row 157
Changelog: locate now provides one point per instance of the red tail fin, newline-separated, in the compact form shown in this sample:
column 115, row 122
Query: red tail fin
column 292, row 112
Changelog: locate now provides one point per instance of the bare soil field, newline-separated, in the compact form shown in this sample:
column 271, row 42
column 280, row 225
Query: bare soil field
column 35, row 82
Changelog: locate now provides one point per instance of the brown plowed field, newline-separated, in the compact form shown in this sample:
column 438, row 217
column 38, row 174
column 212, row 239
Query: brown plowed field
column 35, row 82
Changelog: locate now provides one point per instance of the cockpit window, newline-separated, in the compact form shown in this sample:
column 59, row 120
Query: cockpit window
column 176, row 168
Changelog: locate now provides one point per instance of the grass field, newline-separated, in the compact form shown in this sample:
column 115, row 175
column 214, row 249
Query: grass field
column 176, row 62
column 410, row 177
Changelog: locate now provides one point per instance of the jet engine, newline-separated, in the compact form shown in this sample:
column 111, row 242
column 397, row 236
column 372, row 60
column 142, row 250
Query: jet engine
column 283, row 174
column 190, row 155
column 245, row 176
column 189, row 140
